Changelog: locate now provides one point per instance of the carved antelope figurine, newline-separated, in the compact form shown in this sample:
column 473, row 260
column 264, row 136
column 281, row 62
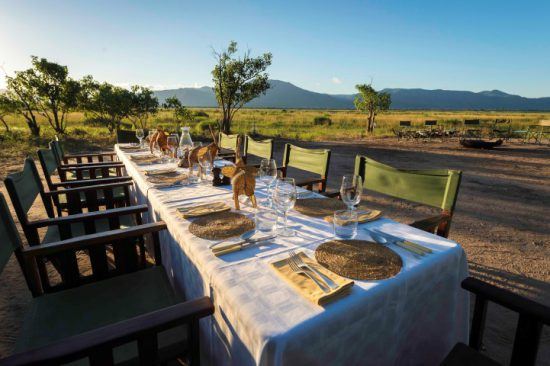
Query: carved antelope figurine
column 243, row 178
column 160, row 138
column 197, row 153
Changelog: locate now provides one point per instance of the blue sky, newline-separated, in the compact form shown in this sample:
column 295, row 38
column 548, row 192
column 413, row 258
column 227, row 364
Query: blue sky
column 326, row 46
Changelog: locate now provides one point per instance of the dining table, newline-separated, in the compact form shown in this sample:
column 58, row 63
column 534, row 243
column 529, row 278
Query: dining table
column 412, row 318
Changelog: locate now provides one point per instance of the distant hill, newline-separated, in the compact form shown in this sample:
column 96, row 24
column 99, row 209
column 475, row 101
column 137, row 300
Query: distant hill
column 286, row 95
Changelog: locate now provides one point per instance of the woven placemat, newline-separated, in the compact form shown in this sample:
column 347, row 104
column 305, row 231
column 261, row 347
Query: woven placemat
column 145, row 159
column 221, row 225
column 359, row 259
column 168, row 178
column 319, row 207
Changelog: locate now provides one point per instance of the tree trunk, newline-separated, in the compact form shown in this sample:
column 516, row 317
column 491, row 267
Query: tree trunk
column 33, row 126
column 226, row 126
column 5, row 124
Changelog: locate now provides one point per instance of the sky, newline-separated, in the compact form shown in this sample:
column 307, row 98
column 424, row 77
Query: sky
column 325, row 46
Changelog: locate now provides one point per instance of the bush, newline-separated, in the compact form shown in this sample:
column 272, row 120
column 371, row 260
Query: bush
column 322, row 120
column 201, row 114
column 202, row 126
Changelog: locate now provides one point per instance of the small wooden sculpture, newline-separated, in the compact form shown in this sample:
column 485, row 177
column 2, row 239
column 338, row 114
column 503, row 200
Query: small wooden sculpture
column 160, row 138
column 197, row 153
column 243, row 178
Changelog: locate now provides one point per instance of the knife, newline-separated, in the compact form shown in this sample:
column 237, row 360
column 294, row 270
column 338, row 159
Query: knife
column 235, row 247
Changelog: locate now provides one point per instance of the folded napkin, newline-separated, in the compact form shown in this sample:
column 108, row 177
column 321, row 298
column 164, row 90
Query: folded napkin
column 309, row 289
column 362, row 216
column 203, row 209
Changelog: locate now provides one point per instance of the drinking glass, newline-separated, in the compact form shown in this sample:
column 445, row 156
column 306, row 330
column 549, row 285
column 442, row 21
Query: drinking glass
column 172, row 142
column 266, row 219
column 284, row 198
column 350, row 190
column 205, row 162
column 345, row 224
column 268, row 174
column 140, row 134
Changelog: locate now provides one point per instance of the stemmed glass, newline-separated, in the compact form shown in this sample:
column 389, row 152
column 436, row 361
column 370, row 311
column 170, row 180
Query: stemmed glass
column 284, row 197
column 350, row 190
column 140, row 134
column 267, row 174
column 205, row 161
column 172, row 142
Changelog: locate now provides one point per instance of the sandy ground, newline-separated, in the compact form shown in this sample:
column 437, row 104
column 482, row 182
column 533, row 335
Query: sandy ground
column 500, row 220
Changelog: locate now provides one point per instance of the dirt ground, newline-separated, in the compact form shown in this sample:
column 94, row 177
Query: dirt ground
column 500, row 220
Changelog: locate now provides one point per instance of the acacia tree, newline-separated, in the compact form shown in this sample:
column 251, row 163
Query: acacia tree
column 7, row 107
column 107, row 103
column 143, row 105
column 56, row 93
column 371, row 102
column 181, row 113
column 238, row 80
column 21, row 91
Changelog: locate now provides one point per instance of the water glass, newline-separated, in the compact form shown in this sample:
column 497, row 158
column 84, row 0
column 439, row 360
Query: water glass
column 205, row 162
column 351, row 189
column 267, row 175
column 266, row 219
column 345, row 224
column 140, row 134
column 284, row 198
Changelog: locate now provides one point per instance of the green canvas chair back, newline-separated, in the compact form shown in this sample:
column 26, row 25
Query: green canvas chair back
column 128, row 136
column 9, row 238
column 471, row 122
column 49, row 165
column 260, row 148
column 311, row 160
column 228, row 141
column 430, row 123
column 58, row 151
column 436, row 188
column 404, row 123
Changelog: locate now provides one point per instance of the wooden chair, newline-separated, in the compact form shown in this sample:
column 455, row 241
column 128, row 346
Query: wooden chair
column 502, row 128
column 314, row 161
column 228, row 145
column 89, row 174
column 262, row 149
column 128, row 136
column 122, row 316
column 532, row 317
column 435, row 188
column 25, row 186
column 472, row 128
column 64, row 159
column 404, row 130
column 538, row 132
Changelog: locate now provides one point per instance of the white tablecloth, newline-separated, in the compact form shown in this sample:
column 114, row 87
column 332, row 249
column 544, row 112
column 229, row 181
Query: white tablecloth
column 414, row 318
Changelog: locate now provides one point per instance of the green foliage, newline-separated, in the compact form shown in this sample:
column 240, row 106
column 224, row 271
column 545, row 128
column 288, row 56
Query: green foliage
column 237, row 81
column 371, row 102
column 7, row 106
column 203, row 126
column 22, row 92
column 143, row 105
column 181, row 113
column 322, row 120
column 200, row 113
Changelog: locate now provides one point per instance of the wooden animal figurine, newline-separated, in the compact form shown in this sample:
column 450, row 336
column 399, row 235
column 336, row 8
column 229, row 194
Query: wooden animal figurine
column 197, row 153
column 160, row 138
column 243, row 178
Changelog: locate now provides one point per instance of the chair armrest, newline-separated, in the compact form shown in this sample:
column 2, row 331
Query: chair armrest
column 91, row 182
column 331, row 194
column 112, row 335
column 88, row 216
column 95, row 187
column 85, row 155
column 101, row 163
column 507, row 299
column 91, row 166
column 309, row 182
column 430, row 224
column 81, row 242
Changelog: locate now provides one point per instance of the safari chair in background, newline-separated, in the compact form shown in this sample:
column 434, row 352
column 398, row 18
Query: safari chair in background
column 315, row 161
column 471, row 128
column 435, row 188
column 100, row 174
column 70, row 159
column 262, row 149
column 532, row 317
column 502, row 128
column 111, row 316
column 228, row 145
column 429, row 130
column 539, row 132
column 25, row 186
column 404, row 130
column 128, row 136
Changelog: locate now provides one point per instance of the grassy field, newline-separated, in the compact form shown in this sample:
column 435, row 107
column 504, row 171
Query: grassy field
column 291, row 124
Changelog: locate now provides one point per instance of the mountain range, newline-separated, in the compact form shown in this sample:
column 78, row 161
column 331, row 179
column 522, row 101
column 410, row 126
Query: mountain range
column 283, row 94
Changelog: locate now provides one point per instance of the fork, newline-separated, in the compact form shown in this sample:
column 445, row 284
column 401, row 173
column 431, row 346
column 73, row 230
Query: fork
column 294, row 267
column 300, row 262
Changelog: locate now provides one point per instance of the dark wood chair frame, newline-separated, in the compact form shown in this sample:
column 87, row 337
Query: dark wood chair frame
column 81, row 158
column 532, row 317
column 97, row 345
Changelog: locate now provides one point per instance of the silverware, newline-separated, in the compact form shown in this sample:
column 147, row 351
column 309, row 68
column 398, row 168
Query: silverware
column 244, row 237
column 299, row 261
column 382, row 239
column 294, row 267
column 405, row 242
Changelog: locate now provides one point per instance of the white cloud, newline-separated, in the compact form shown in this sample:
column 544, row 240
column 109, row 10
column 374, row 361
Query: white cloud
column 336, row 80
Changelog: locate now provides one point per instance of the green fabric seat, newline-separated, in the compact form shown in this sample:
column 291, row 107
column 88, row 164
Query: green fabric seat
column 63, row 314
column 52, row 233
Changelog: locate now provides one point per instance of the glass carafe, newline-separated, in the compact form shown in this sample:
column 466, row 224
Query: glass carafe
column 185, row 141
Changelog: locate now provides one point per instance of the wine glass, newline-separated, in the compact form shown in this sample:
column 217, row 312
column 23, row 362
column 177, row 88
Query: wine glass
column 140, row 134
column 284, row 197
column 268, row 174
column 351, row 189
column 172, row 142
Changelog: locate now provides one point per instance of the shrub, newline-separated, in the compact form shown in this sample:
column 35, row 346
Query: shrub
column 202, row 126
column 201, row 114
column 322, row 120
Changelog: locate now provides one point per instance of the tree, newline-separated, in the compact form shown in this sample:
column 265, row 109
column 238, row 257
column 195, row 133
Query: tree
column 56, row 93
column 371, row 102
column 7, row 107
column 108, row 104
column 237, row 81
column 21, row 90
column 181, row 113
column 143, row 105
